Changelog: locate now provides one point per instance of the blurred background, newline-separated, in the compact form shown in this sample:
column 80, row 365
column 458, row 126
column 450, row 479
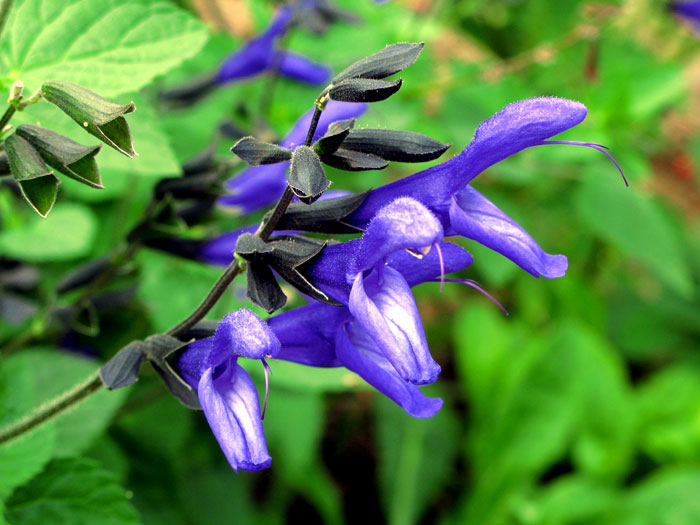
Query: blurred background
column 580, row 407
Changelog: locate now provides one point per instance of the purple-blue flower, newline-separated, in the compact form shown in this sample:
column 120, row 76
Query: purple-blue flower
column 445, row 190
column 261, row 54
column 379, row 334
column 259, row 186
column 690, row 11
column 226, row 392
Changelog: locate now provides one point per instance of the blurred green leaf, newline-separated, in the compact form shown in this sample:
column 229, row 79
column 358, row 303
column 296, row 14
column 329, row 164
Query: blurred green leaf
column 668, row 497
column 109, row 46
column 668, row 406
column 294, row 427
column 21, row 459
column 573, row 500
column 534, row 398
column 637, row 226
column 58, row 371
column 72, row 491
column 168, row 298
column 416, row 459
column 160, row 426
column 66, row 234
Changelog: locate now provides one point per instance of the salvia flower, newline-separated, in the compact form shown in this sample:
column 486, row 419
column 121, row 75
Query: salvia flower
column 445, row 190
column 261, row 54
column 226, row 392
column 690, row 11
column 379, row 334
column 260, row 186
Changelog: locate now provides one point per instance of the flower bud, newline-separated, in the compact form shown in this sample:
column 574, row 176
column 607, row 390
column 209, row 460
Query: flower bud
column 38, row 183
column 99, row 117
column 63, row 154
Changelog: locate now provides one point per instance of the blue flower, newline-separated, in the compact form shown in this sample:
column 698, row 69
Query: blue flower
column 378, row 334
column 260, row 55
column 688, row 10
column 260, row 186
column 226, row 392
column 445, row 190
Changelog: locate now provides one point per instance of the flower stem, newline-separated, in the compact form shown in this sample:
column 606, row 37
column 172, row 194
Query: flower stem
column 7, row 116
column 209, row 301
column 268, row 227
column 5, row 6
column 52, row 409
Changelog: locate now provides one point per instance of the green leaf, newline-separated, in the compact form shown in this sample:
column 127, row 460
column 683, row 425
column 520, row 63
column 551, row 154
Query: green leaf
column 668, row 497
column 58, row 372
column 24, row 457
column 109, row 46
column 637, row 226
column 416, row 459
column 533, row 402
column 668, row 409
column 296, row 448
column 168, row 299
column 573, row 499
column 161, row 428
column 67, row 234
column 72, row 491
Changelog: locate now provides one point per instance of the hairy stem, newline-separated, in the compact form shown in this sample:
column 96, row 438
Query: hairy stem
column 7, row 116
column 268, row 227
column 209, row 301
column 52, row 409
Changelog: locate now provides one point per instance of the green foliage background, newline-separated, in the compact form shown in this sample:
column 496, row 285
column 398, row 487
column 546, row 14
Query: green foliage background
column 581, row 407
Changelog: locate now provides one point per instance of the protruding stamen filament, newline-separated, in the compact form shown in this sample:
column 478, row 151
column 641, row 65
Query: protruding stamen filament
column 592, row 145
column 476, row 286
column 267, row 371
column 442, row 266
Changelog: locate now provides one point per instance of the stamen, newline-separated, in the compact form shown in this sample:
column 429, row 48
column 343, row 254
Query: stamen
column 267, row 371
column 476, row 286
column 592, row 145
column 442, row 266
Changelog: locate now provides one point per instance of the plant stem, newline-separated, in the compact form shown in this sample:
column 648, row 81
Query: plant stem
column 7, row 116
column 209, row 301
column 5, row 6
column 94, row 383
column 53, row 409
column 268, row 227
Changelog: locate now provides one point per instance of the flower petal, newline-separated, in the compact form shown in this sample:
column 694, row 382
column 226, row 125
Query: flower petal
column 516, row 127
column 242, row 333
column 402, row 224
column 475, row 217
column 388, row 312
column 257, row 55
column 357, row 352
column 300, row 68
column 417, row 271
column 307, row 334
column 195, row 360
column 230, row 403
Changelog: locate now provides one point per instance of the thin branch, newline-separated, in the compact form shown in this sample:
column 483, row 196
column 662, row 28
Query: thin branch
column 53, row 409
